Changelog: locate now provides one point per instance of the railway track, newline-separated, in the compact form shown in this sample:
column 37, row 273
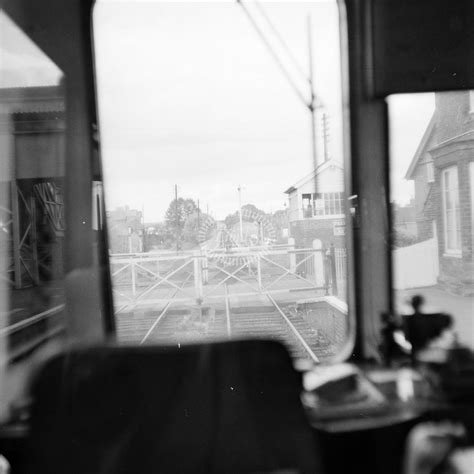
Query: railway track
column 180, row 324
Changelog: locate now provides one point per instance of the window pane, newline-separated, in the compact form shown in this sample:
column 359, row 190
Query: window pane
column 32, row 147
column 217, row 226
column 432, row 237
column 451, row 209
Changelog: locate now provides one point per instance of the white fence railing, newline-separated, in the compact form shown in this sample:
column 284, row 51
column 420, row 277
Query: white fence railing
column 204, row 274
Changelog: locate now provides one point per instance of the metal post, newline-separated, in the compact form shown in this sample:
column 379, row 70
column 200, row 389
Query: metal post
column 16, row 233
column 292, row 255
column 205, row 269
column 259, row 271
column 197, row 277
column 333, row 270
column 318, row 260
column 34, row 241
column 227, row 312
column 327, row 269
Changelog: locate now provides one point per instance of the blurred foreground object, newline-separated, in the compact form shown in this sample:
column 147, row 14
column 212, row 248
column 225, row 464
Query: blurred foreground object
column 429, row 445
column 4, row 466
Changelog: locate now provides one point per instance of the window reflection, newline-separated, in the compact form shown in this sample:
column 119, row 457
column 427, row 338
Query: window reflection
column 32, row 148
column 432, row 153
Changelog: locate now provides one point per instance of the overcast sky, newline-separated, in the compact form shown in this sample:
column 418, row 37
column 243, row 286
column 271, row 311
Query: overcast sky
column 189, row 95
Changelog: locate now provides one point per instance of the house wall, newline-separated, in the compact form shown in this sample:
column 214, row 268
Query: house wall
column 453, row 116
column 451, row 144
column 426, row 195
column 456, row 272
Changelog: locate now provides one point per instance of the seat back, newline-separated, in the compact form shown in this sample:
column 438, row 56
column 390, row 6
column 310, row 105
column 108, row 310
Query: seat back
column 221, row 407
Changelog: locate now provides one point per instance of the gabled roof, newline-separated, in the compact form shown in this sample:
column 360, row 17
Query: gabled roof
column 319, row 169
column 421, row 148
column 463, row 137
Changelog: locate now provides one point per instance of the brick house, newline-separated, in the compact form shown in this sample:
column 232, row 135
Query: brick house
column 443, row 173
column 316, row 207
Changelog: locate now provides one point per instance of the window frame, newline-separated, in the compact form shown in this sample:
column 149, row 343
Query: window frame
column 451, row 251
column 471, row 190
column 335, row 199
column 471, row 101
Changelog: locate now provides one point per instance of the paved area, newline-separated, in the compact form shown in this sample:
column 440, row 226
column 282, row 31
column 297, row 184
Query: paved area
column 437, row 299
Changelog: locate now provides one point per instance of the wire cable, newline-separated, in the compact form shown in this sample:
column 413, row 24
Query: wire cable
column 281, row 41
column 274, row 55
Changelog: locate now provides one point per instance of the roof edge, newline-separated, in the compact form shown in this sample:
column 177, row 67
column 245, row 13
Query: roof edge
column 420, row 149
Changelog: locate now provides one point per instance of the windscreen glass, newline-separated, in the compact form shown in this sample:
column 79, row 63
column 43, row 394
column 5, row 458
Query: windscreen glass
column 32, row 151
column 432, row 182
column 221, row 128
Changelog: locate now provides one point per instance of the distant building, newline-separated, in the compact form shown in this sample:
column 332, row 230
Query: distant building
column 125, row 230
column 316, row 207
column 443, row 171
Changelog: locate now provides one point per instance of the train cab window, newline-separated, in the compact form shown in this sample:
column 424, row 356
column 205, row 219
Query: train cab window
column 32, row 165
column 432, row 144
column 224, row 163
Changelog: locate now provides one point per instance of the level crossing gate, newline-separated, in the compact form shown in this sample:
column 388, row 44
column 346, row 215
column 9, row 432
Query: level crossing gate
column 204, row 275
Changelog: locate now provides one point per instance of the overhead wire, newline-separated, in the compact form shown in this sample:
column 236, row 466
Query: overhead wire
column 274, row 55
column 282, row 42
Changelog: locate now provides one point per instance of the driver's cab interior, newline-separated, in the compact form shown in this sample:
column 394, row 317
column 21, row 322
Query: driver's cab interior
column 236, row 236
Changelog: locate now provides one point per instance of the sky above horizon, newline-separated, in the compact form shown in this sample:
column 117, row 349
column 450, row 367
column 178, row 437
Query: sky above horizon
column 189, row 95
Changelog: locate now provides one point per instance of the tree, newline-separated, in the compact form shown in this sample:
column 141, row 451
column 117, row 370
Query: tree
column 194, row 223
column 234, row 218
column 176, row 215
column 177, row 212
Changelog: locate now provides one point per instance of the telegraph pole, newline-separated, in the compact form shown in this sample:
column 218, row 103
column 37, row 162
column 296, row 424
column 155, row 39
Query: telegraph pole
column 312, row 105
column 326, row 136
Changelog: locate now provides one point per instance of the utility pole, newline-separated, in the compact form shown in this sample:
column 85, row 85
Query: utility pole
column 312, row 105
column 326, row 136
column 240, row 214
